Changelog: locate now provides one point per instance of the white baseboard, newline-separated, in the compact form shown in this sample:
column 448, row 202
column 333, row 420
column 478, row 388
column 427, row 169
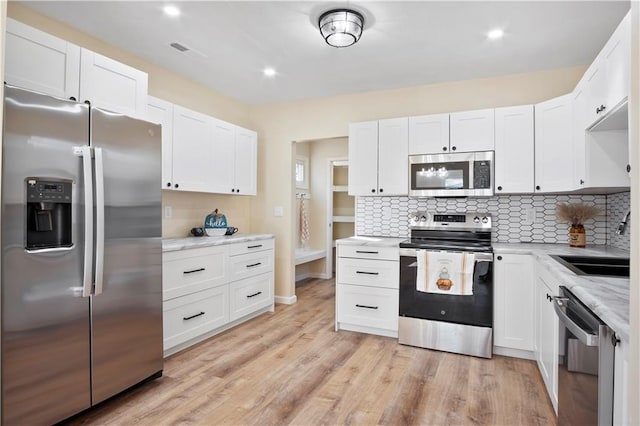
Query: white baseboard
column 286, row 300
column 305, row 275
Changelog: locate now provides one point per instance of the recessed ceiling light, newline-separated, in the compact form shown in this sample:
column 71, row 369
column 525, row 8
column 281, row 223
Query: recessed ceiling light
column 495, row 34
column 171, row 10
column 269, row 72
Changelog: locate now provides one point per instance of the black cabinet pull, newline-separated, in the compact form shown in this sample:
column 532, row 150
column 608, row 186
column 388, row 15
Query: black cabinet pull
column 614, row 339
column 602, row 108
column 581, row 182
column 176, row 185
column 194, row 270
column 499, row 257
column 237, row 191
column 258, row 246
column 373, row 190
column 233, row 190
column 168, row 184
column 499, row 188
column 366, row 306
column 453, row 148
column 444, row 148
column 538, row 187
column 381, row 190
column 367, row 273
column 628, row 168
column 549, row 298
column 366, row 252
column 254, row 295
column 73, row 98
column 193, row 316
column 254, row 264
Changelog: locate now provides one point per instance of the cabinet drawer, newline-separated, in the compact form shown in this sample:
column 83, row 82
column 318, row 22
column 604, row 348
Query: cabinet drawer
column 190, row 316
column 365, row 252
column 188, row 271
column 251, row 294
column 368, row 306
column 250, row 264
column 375, row 273
column 250, row 246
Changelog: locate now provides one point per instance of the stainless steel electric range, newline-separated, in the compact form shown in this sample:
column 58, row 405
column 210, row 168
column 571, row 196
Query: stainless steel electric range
column 447, row 322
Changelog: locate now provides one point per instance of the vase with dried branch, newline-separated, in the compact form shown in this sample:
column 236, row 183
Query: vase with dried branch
column 576, row 214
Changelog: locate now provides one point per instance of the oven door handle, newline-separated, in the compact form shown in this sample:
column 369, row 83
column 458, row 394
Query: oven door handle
column 479, row 256
column 560, row 306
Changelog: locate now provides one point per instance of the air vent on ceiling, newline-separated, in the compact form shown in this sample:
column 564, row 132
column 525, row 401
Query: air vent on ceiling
column 179, row 47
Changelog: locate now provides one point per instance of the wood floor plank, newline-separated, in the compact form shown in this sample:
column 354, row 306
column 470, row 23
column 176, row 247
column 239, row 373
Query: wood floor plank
column 291, row 367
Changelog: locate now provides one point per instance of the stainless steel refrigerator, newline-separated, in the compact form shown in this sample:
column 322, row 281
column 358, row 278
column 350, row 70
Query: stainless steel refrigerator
column 81, row 256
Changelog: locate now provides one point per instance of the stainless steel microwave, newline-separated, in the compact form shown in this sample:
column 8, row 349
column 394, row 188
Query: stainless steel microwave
column 451, row 175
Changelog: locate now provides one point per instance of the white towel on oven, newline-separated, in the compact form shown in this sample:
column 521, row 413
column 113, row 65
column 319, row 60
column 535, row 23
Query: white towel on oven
column 445, row 272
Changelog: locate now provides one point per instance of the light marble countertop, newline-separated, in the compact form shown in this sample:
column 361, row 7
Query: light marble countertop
column 175, row 244
column 371, row 241
column 607, row 297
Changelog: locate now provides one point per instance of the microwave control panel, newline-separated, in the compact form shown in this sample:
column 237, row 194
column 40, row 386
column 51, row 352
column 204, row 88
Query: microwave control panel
column 482, row 174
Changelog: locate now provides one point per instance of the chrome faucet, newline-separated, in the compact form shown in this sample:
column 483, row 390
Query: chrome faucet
column 622, row 226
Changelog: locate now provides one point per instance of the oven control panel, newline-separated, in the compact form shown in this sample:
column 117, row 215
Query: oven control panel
column 424, row 219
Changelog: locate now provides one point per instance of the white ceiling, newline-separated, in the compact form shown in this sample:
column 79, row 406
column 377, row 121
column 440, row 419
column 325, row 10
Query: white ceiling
column 404, row 43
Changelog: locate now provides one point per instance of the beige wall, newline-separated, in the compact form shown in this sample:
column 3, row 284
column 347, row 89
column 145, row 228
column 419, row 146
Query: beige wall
column 280, row 124
column 189, row 209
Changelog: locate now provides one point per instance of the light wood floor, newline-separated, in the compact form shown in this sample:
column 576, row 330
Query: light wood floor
column 291, row 367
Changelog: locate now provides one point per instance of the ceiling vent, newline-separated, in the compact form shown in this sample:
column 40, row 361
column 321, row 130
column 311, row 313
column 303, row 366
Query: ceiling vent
column 179, row 47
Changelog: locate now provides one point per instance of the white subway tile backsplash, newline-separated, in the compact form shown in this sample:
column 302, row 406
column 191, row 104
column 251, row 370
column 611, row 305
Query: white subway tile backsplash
column 512, row 216
column 617, row 206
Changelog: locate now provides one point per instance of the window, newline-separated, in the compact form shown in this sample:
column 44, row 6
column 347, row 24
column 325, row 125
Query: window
column 302, row 172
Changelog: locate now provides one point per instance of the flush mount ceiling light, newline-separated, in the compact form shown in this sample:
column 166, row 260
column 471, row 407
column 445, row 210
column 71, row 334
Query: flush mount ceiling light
column 269, row 72
column 171, row 10
column 495, row 34
column 341, row 27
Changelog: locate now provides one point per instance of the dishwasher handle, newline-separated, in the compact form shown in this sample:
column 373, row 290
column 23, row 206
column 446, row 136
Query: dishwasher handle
column 560, row 306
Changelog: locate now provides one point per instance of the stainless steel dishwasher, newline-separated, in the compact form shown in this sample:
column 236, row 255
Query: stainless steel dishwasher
column 585, row 371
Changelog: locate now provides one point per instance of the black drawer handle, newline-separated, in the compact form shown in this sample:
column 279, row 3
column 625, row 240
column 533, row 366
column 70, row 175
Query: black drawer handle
column 254, row 295
column 366, row 307
column 367, row 273
column 258, row 246
column 254, row 264
column 193, row 316
column 195, row 270
column 366, row 252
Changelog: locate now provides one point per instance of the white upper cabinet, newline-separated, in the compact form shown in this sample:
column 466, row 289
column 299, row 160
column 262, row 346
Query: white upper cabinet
column 363, row 158
column 161, row 112
column 514, row 150
column 393, row 161
column 222, row 163
column 429, row 134
column 554, row 145
column 579, row 124
column 40, row 62
column 472, row 131
column 378, row 157
column 192, row 150
column 246, row 161
column 113, row 86
column 608, row 77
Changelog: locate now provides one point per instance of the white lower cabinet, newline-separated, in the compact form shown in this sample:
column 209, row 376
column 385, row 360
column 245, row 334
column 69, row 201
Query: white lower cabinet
column 207, row 290
column 621, row 384
column 189, row 316
column 513, row 310
column 367, row 282
column 547, row 335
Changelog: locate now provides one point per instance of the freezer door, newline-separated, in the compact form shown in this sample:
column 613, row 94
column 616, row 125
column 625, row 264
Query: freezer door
column 127, row 306
column 45, row 319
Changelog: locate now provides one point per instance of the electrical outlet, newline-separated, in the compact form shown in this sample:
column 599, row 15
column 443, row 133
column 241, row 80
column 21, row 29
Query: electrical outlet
column 532, row 214
column 168, row 212
column 278, row 211
column 386, row 213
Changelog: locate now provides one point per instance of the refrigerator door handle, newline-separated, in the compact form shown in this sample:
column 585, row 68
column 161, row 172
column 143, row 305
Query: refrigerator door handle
column 99, row 220
column 88, row 221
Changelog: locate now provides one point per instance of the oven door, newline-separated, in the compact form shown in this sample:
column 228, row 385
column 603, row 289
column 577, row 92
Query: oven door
column 475, row 309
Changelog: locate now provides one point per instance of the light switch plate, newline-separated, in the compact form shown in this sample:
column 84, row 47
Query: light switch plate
column 278, row 211
column 168, row 212
column 531, row 213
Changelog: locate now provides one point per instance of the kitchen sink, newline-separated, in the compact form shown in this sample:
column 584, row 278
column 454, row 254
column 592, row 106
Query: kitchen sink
column 595, row 265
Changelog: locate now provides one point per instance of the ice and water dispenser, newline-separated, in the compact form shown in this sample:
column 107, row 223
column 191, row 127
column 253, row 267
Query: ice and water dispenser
column 48, row 213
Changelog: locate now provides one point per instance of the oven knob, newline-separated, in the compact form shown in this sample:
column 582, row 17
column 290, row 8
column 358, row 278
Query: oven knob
column 485, row 220
column 476, row 219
